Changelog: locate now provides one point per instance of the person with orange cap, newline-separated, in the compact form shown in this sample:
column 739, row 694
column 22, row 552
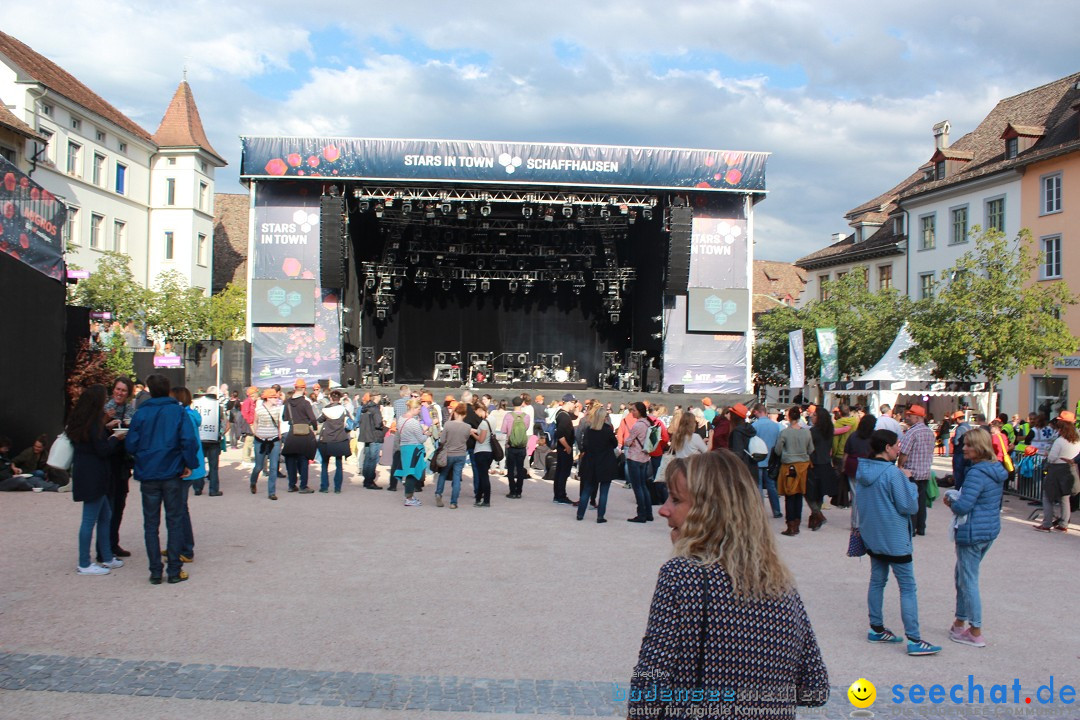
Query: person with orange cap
column 739, row 439
column 916, row 456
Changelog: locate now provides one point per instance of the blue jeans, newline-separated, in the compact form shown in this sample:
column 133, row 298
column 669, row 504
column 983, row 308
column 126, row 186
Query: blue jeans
column 212, row 451
column 454, row 466
column 169, row 493
column 766, row 482
column 909, row 603
column 324, row 483
column 968, row 602
column 371, row 461
column 638, row 474
column 475, row 473
column 297, row 467
column 261, row 456
column 95, row 513
column 587, row 488
column 187, row 542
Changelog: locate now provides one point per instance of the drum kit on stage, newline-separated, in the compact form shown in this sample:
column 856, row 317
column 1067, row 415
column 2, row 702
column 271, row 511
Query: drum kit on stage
column 504, row 369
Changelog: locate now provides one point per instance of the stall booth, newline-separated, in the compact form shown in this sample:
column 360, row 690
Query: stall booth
column 895, row 380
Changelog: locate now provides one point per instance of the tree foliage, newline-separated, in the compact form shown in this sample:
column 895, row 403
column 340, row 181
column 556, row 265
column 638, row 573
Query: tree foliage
column 118, row 356
column 990, row 318
column 866, row 324
column 228, row 313
column 175, row 311
column 112, row 288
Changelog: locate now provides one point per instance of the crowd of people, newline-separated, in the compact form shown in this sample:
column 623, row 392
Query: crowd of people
column 718, row 474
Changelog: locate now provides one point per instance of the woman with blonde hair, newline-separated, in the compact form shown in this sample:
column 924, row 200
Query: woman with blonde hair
column 725, row 590
column 979, row 503
column 684, row 439
column 597, row 464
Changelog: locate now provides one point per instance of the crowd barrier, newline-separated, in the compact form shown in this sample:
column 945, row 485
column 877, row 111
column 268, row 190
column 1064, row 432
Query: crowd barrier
column 1030, row 471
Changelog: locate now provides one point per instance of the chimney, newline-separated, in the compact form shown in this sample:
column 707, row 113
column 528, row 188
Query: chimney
column 941, row 135
column 837, row 237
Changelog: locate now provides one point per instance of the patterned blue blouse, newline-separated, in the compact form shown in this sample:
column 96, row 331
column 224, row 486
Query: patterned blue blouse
column 760, row 658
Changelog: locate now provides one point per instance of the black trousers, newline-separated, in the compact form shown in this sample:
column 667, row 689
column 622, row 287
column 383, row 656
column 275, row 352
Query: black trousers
column 564, row 461
column 919, row 518
column 515, row 469
column 793, row 507
column 117, row 501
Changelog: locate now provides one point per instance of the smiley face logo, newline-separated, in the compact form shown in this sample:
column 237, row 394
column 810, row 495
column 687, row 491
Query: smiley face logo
column 862, row 693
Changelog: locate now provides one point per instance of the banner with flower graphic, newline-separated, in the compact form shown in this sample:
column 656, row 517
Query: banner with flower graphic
column 286, row 248
column 504, row 163
column 31, row 221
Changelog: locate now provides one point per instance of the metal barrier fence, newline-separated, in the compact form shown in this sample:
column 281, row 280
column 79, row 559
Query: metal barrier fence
column 1030, row 471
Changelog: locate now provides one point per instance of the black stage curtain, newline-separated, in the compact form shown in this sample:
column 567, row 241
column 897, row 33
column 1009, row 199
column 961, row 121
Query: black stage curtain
column 32, row 397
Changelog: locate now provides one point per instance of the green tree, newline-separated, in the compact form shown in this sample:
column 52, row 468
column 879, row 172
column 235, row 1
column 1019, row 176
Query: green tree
column 112, row 288
column 228, row 313
column 175, row 311
column 866, row 324
column 118, row 356
column 990, row 318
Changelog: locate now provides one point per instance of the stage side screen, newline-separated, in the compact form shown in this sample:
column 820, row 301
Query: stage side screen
column 712, row 310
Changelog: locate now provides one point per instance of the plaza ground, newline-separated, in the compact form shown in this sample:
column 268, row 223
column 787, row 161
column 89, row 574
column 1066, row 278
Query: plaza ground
column 351, row 605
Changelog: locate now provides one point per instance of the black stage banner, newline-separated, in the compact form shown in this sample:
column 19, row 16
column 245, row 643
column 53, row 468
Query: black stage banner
column 503, row 163
column 31, row 220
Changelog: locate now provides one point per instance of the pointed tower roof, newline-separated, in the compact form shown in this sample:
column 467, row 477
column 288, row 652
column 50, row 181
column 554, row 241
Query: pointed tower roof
column 182, row 127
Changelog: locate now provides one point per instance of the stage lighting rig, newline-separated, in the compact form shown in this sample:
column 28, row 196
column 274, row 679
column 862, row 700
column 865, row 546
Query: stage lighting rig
column 462, row 213
column 527, row 212
column 406, row 207
column 605, row 213
column 646, row 213
column 567, row 211
column 429, row 211
column 485, row 209
column 364, row 206
column 379, row 210
column 485, row 285
column 445, row 284
column 513, row 286
column 549, row 215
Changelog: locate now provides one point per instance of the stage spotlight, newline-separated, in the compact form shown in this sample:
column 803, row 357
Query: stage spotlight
column 658, row 336
column 605, row 212
column 485, row 286
column 577, row 289
column 380, row 314
column 462, row 213
column 480, row 264
column 471, row 286
column 429, row 211
column 398, row 282
column 624, row 209
column 658, row 318
column 485, row 209
column 633, row 217
column 369, row 283
column 528, row 288
column 527, row 211
column 549, row 215
column 554, row 286
column 600, row 286
column 446, row 208
column 333, row 191
column 513, row 286
column 568, row 211
column 364, row 206
column 421, row 283
column 379, row 210
column 445, row 284
column 614, row 317
column 646, row 214
column 406, row 207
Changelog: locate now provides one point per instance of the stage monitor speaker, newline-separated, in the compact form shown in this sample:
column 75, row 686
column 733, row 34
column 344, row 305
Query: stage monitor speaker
column 678, row 266
column 676, row 389
column 332, row 241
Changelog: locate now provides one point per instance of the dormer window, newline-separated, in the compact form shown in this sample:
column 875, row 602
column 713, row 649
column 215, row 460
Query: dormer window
column 1012, row 148
column 950, row 161
column 939, row 170
column 1019, row 138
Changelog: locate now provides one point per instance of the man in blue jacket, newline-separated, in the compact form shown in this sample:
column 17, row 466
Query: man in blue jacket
column 163, row 441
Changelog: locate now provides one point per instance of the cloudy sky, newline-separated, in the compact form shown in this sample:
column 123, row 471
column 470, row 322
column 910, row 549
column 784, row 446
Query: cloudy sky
column 843, row 94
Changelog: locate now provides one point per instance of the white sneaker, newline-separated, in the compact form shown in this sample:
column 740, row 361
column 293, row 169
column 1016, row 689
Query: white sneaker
column 412, row 502
column 93, row 569
column 114, row 563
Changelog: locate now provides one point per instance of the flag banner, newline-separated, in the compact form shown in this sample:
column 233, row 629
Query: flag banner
column 830, row 363
column 796, row 355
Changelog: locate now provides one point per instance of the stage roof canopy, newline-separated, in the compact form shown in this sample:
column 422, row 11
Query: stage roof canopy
column 503, row 163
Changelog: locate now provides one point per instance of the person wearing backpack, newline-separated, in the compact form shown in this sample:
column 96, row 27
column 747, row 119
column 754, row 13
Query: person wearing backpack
column 741, row 433
column 637, row 462
column 515, row 427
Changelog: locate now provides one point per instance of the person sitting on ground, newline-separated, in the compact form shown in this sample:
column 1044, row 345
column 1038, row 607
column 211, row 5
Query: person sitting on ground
column 14, row 477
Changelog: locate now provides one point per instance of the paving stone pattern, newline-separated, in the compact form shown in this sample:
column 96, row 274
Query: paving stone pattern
column 230, row 683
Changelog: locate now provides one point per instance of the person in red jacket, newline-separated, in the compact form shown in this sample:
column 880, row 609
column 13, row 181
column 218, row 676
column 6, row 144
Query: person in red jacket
column 247, row 411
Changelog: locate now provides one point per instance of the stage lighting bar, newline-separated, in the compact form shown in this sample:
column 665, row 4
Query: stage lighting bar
column 387, row 195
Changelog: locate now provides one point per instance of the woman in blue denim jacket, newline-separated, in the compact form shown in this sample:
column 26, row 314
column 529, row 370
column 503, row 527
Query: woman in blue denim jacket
column 979, row 507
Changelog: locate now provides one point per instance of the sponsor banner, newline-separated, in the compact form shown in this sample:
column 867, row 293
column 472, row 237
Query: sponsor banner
column 830, row 362
column 797, row 359
column 286, row 247
column 283, row 353
column 702, row 363
column 31, row 222
column 168, row 361
column 718, row 252
column 497, row 162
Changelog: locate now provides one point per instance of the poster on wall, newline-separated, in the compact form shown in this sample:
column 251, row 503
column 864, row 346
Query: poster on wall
column 286, row 248
column 31, row 221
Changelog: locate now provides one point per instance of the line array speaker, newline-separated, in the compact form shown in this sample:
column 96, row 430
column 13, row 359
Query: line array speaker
column 332, row 242
column 678, row 267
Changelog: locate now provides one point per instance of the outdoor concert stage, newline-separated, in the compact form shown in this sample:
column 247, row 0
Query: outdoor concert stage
column 501, row 264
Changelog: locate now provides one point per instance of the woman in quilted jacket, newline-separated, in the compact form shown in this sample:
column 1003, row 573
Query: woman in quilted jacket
column 978, row 521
